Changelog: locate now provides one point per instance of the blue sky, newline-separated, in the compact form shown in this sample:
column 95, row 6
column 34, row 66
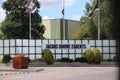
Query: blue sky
column 51, row 9
column 74, row 9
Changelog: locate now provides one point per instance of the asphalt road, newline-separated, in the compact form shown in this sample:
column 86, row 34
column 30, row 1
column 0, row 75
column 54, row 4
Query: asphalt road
column 67, row 73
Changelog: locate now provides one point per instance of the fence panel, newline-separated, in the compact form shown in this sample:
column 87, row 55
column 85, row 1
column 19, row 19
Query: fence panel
column 66, row 48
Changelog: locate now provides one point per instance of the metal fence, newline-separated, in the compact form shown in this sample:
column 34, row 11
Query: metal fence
column 33, row 48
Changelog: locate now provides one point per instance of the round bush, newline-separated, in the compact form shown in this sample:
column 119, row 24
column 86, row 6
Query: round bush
column 97, row 56
column 89, row 55
column 48, row 57
column 6, row 58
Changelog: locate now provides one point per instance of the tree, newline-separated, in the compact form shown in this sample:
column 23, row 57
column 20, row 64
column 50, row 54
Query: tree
column 81, row 33
column 90, row 26
column 16, row 23
column 106, row 18
column 92, row 29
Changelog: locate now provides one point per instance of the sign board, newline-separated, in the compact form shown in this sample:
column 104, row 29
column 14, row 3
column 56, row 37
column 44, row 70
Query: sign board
column 65, row 46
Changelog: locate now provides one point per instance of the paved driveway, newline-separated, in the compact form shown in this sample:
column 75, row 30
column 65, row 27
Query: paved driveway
column 67, row 73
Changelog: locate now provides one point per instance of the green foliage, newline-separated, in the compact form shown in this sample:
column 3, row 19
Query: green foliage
column 117, row 58
column 2, row 36
column 81, row 33
column 48, row 57
column 43, row 52
column 109, row 59
column 92, row 29
column 89, row 27
column 89, row 55
column 0, row 60
column 6, row 58
column 93, row 56
column 37, row 60
column 97, row 56
column 65, row 60
column 82, row 59
column 107, row 18
column 88, row 8
column 16, row 23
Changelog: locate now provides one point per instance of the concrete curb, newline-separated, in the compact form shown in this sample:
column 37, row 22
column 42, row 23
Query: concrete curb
column 10, row 71
column 74, row 64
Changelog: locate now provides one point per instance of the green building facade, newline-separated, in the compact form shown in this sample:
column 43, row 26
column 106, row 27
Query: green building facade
column 60, row 29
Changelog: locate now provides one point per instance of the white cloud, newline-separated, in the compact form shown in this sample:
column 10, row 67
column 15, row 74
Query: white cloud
column 4, row 0
column 2, row 15
column 51, row 3
column 2, row 12
column 77, row 17
column 69, row 2
column 47, row 17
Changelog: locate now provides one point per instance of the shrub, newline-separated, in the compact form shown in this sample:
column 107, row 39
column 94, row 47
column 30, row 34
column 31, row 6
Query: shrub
column 117, row 58
column 43, row 53
column 0, row 60
column 89, row 55
column 109, row 59
column 65, row 59
column 48, row 57
column 58, row 60
column 97, row 56
column 77, row 59
column 82, row 59
column 37, row 60
column 6, row 58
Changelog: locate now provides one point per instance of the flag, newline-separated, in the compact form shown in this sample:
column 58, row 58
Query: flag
column 30, row 7
column 96, row 7
column 62, row 9
column 62, row 13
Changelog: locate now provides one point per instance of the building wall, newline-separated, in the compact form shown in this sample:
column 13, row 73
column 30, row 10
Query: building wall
column 47, row 33
column 55, row 28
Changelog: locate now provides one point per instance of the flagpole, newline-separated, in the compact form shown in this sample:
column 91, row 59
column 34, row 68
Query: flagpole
column 31, row 7
column 63, row 10
column 29, row 25
column 99, row 20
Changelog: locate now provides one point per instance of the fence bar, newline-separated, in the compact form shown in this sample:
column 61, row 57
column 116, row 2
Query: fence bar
column 3, row 47
column 102, row 49
column 35, row 49
column 109, row 50
column 61, row 53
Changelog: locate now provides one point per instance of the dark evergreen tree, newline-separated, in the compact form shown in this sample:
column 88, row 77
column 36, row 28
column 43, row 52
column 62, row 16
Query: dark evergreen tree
column 16, row 23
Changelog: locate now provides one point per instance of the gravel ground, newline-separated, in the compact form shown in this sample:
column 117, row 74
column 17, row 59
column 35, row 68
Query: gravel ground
column 67, row 73
column 61, row 71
